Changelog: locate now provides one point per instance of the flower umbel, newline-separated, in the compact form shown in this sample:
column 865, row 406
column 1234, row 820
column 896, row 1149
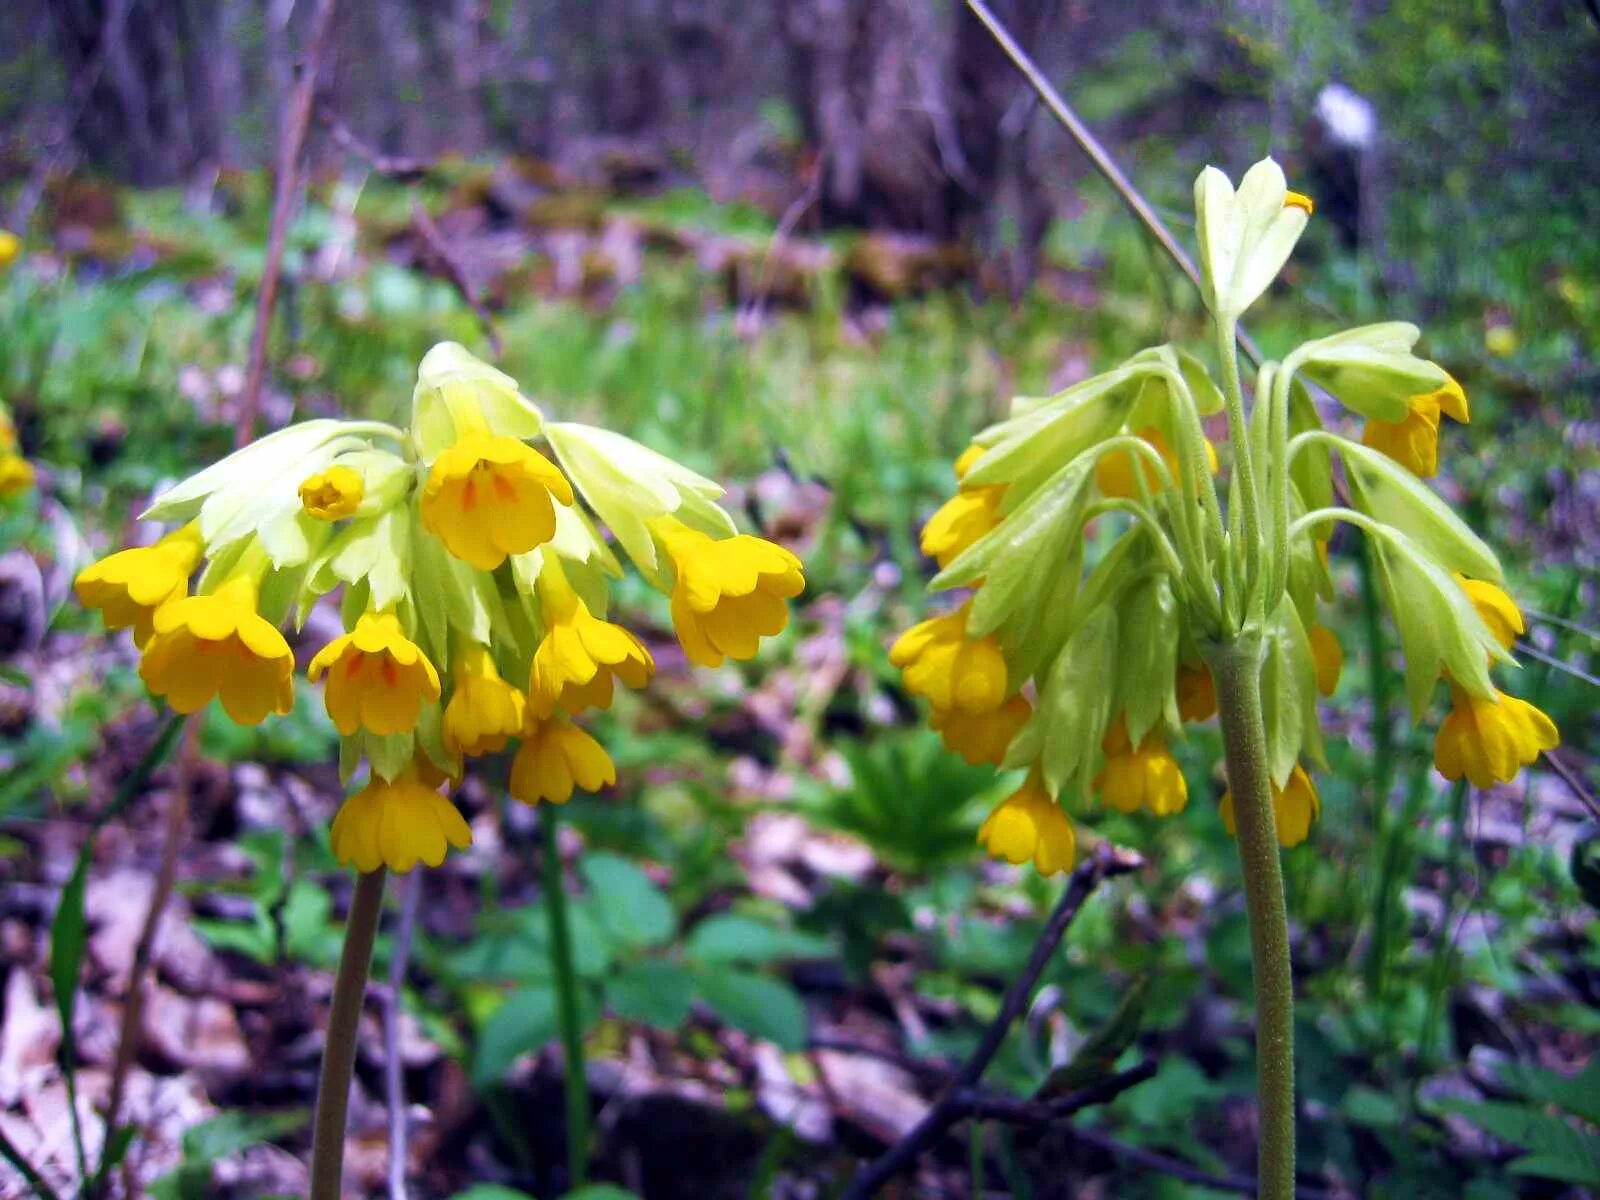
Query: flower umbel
column 956, row 674
column 462, row 566
column 1146, row 776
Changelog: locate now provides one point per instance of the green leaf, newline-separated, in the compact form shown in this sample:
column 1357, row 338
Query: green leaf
column 69, row 936
column 652, row 992
column 762, row 1006
column 1558, row 1149
column 491, row 1191
column 730, row 938
column 1370, row 1107
column 601, row 1191
column 630, row 906
column 1578, row 1094
column 525, row 1021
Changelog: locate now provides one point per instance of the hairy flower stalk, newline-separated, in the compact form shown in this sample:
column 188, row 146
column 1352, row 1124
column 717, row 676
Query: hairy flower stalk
column 1122, row 578
column 474, row 582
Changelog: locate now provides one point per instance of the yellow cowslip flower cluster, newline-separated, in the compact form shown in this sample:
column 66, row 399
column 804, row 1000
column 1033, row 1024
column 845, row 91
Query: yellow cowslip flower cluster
column 1110, row 565
column 474, row 593
column 16, row 472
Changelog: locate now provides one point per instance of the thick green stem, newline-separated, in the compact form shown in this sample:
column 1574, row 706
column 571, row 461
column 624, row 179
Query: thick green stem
column 339, row 1053
column 1243, row 467
column 1236, row 667
column 577, row 1081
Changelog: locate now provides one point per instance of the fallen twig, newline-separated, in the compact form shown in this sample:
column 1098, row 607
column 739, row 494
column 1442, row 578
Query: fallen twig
column 166, row 875
column 394, row 1091
column 1009, row 1109
column 404, row 170
column 1105, row 863
column 290, row 143
column 1574, row 782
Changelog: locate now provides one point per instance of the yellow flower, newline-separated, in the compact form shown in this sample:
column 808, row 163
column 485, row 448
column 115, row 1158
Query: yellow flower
column 955, row 673
column 484, row 710
column 1500, row 341
column 333, row 494
column 1294, row 808
column 1413, row 441
column 554, row 758
column 490, row 496
column 1490, row 740
column 397, row 824
column 1498, row 610
column 1114, row 472
column 10, row 248
column 729, row 593
column 965, row 517
column 378, row 678
column 1301, row 201
column 1328, row 657
column 983, row 737
column 1028, row 824
column 580, row 654
column 1197, row 694
column 16, row 475
column 1147, row 776
column 128, row 587
column 217, row 644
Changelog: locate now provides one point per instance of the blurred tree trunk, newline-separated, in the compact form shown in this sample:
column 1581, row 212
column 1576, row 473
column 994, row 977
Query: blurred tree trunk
column 920, row 118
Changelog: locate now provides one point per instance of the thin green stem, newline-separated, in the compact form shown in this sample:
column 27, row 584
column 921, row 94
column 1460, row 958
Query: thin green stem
column 1236, row 667
column 1243, row 466
column 577, row 1081
column 339, row 1053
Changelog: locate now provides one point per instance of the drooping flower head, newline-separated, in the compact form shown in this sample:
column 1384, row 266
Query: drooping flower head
column 1295, row 807
column 463, row 566
column 378, row 678
column 1117, row 562
column 130, row 586
column 1029, row 826
column 217, row 645
column 580, row 654
column 556, row 757
column 485, row 712
column 398, row 823
column 489, row 496
column 729, row 593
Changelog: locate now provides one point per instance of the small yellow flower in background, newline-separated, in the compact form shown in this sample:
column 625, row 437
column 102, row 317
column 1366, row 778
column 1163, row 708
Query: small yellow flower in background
column 1197, row 693
column 1498, row 610
column 485, row 712
column 1413, row 441
column 1487, row 741
column 16, row 475
column 1029, row 826
column 580, row 655
column 1295, row 806
column 10, row 248
column 983, row 737
column 964, row 518
column 333, row 494
column 490, row 496
column 729, row 593
column 1500, row 341
column 1328, row 658
column 397, row 824
column 1143, row 777
column 128, row 587
column 215, row 645
column 954, row 673
column 556, row 757
column 377, row 677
